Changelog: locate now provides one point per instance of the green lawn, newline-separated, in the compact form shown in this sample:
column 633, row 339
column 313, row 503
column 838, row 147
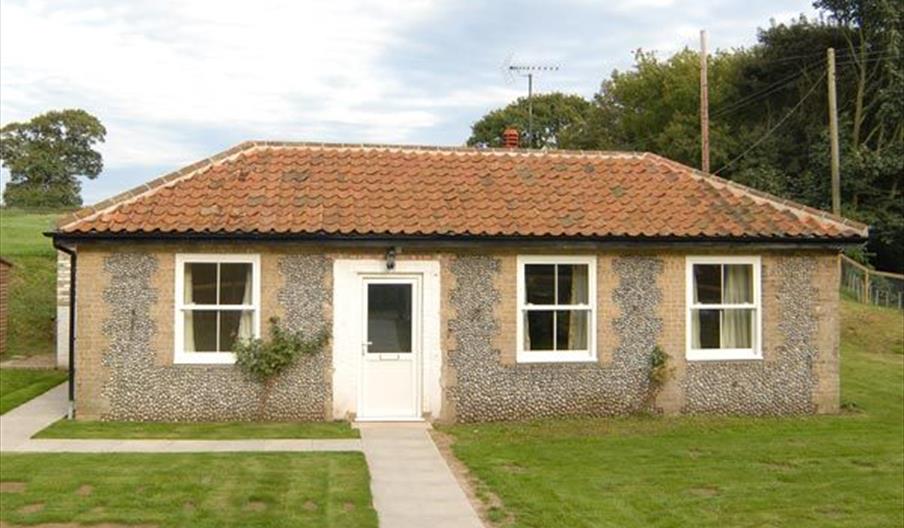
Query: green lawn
column 200, row 431
column 32, row 298
column 17, row 386
column 199, row 490
column 845, row 470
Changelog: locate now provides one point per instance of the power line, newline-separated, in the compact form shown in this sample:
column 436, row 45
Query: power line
column 842, row 54
column 775, row 127
column 783, row 83
column 755, row 98
column 868, row 60
column 767, row 90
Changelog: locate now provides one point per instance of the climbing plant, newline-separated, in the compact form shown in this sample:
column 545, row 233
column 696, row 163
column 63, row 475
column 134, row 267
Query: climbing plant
column 262, row 360
column 659, row 373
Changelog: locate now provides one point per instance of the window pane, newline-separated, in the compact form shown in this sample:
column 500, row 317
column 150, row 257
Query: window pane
column 540, row 283
column 737, row 328
column 705, row 328
column 738, row 281
column 235, row 283
column 389, row 317
column 572, row 329
column 234, row 325
column 200, row 331
column 200, row 283
column 573, row 283
column 707, row 283
column 538, row 330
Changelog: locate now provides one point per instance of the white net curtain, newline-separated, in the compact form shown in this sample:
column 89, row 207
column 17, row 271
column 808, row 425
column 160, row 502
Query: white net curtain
column 720, row 326
column 218, row 306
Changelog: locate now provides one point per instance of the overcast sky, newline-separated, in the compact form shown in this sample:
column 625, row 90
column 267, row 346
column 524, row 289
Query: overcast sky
column 176, row 81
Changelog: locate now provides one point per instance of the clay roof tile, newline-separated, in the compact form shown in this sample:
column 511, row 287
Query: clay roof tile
column 261, row 187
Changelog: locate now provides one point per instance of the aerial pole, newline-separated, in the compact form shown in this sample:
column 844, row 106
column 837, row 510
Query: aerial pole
column 530, row 110
column 833, row 134
column 704, row 106
column 528, row 71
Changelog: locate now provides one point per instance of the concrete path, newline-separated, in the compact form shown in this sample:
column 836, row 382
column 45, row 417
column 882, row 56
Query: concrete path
column 17, row 426
column 411, row 484
column 38, row 361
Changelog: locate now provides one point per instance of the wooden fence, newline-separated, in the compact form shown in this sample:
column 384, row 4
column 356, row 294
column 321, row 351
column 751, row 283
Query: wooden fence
column 870, row 286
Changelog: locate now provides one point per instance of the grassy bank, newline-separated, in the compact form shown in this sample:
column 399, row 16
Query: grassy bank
column 32, row 297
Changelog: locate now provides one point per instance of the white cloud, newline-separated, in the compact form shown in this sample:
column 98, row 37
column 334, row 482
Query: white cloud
column 254, row 65
column 175, row 81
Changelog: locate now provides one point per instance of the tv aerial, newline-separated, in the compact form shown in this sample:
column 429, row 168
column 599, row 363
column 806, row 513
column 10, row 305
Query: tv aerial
column 510, row 70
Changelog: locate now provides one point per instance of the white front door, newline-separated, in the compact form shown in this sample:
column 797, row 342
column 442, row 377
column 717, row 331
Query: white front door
column 391, row 349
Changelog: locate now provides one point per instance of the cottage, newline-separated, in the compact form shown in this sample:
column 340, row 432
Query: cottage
column 458, row 284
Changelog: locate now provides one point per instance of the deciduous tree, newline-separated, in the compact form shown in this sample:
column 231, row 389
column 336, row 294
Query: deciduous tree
column 46, row 155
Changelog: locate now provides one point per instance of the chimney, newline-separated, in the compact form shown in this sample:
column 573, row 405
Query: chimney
column 510, row 137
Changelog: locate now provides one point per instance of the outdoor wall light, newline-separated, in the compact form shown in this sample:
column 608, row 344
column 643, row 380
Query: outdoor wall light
column 390, row 258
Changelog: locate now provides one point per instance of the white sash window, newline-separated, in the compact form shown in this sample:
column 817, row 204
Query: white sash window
column 723, row 308
column 217, row 304
column 556, row 308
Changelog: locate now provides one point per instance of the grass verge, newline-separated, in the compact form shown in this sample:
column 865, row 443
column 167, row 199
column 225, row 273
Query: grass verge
column 844, row 470
column 17, row 386
column 200, row 490
column 197, row 431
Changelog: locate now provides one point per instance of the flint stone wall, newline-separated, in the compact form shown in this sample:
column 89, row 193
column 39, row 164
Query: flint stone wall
column 797, row 375
column 486, row 389
column 137, row 388
column 780, row 384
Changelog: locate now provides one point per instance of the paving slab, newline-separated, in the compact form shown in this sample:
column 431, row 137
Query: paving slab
column 411, row 484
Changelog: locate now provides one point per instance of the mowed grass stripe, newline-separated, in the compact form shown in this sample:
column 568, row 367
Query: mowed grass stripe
column 203, row 490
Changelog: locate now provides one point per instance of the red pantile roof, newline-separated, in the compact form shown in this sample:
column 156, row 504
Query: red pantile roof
column 273, row 188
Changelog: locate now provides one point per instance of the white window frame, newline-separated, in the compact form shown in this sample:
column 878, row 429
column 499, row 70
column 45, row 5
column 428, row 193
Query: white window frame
column 543, row 356
column 181, row 356
column 721, row 354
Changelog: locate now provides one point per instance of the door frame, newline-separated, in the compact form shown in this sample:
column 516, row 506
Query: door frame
column 348, row 331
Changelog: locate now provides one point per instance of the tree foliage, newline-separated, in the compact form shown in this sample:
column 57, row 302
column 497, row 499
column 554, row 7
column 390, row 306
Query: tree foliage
column 768, row 114
column 46, row 154
column 559, row 121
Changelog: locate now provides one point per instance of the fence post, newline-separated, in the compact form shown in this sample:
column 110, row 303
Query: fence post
column 865, row 286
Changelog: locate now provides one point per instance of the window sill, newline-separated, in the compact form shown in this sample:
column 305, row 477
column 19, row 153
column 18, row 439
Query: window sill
column 204, row 358
column 554, row 357
column 723, row 355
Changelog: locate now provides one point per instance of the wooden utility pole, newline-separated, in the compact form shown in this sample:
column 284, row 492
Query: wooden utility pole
column 833, row 134
column 704, row 106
